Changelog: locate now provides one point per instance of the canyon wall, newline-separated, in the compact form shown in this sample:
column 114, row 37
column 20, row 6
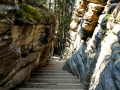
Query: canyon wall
column 25, row 40
column 96, row 61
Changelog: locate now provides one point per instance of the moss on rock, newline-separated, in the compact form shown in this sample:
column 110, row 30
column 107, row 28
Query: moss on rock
column 34, row 14
column 30, row 12
column 104, row 23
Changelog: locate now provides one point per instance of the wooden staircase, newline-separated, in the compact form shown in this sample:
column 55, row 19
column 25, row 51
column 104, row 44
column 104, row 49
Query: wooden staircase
column 52, row 77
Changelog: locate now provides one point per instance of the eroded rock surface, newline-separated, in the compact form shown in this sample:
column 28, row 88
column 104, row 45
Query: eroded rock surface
column 73, row 40
column 96, row 62
column 25, row 41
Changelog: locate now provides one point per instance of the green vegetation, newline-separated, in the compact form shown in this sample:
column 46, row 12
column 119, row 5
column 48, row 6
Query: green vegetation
column 34, row 14
column 107, row 16
column 62, row 10
column 30, row 12
column 40, row 2
column 105, row 20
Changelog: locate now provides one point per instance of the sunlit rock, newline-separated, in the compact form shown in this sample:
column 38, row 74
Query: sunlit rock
column 98, row 1
column 90, row 20
column 73, row 25
column 73, row 36
column 96, row 62
column 77, row 15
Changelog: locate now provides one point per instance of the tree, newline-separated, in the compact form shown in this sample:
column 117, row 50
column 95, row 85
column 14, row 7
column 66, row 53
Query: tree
column 62, row 10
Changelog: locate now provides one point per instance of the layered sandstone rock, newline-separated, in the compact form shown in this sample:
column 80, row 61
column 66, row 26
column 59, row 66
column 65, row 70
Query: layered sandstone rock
column 78, row 13
column 107, row 63
column 73, row 40
column 90, row 19
column 96, row 62
column 84, row 21
column 25, row 42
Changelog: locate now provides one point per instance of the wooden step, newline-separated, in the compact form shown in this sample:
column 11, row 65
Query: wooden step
column 52, row 86
column 51, row 77
column 54, row 80
column 51, row 74
column 55, row 77
column 49, row 71
column 44, row 89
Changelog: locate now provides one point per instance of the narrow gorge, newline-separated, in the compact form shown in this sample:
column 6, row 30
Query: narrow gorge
column 92, row 44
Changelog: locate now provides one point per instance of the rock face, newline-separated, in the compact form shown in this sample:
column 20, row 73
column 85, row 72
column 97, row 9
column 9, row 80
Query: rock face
column 73, row 37
column 25, row 41
column 96, row 62
column 90, row 19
